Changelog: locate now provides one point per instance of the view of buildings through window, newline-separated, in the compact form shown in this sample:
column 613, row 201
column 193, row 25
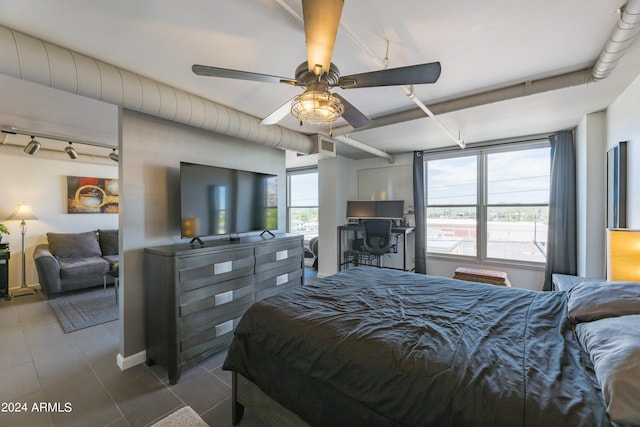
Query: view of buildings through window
column 489, row 204
column 302, row 204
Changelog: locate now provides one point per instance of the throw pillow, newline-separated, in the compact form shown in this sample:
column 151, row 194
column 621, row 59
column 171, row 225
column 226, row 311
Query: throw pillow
column 108, row 242
column 74, row 245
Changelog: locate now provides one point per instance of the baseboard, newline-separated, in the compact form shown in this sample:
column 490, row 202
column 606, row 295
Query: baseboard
column 131, row 361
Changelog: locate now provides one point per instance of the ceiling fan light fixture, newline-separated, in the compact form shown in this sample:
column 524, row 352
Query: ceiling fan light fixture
column 316, row 107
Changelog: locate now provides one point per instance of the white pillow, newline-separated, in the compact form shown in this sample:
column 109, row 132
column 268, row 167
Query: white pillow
column 613, row 344
column 596, row 300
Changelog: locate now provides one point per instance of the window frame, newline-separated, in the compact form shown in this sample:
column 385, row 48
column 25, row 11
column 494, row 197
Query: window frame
column 481, row 152
column 290, row 173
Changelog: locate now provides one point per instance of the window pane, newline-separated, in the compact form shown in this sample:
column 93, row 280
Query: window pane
column 452, row 181
column 304, row 221
column 518, row 177
column 303, row 189
column 517, row 233
column 452, row 230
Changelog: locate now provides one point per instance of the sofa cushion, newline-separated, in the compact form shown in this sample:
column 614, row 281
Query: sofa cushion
column 74, row 245
column 71, row 268
column 108, row 242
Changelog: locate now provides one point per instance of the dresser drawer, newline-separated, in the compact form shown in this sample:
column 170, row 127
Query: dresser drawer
column 278, row 279
column 208, row 341
column 215, row 295
column 274, row 256
column 198, row 271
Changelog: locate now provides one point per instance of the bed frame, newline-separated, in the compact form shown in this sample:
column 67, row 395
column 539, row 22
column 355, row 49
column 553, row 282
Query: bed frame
column 246, row 394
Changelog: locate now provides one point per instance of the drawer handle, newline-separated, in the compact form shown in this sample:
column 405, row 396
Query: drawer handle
column 224, row 328
column 280, row 255
column 224, row 298
column 282, row 279
column 223, row 267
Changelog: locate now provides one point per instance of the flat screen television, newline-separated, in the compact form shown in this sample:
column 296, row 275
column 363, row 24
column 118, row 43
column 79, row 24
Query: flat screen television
column 217, row 201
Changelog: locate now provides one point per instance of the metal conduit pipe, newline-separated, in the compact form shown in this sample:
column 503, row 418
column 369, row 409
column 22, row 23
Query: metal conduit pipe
column 28, row 58
column 623, row 34
column 347, row 140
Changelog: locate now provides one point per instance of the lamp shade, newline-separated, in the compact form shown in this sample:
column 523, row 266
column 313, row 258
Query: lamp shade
column 22, row 212
column 190, row 227
column 623, row 255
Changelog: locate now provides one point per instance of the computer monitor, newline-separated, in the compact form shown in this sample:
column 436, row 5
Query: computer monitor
column 358, row 209
column 391, row 209
column 363, row 209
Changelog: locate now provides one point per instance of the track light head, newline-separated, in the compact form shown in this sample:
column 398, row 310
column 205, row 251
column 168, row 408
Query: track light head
column 32, row 147
column 71, row 152
column 114, row 156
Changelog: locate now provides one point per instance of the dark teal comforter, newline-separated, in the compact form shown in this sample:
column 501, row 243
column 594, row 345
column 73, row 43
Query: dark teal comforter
column 378, row 347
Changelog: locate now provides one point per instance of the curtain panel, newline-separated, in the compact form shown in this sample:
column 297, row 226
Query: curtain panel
column 561, row 240
column 418, row 204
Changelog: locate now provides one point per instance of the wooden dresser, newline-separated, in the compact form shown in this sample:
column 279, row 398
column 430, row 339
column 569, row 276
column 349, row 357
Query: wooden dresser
column 195, row 295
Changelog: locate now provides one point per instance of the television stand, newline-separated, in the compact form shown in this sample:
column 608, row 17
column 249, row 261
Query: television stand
column 196, row 240
column 267, row 231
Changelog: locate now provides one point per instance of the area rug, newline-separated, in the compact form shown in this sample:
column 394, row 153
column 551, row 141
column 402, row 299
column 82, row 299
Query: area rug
column 84, row 309
column 184, row 417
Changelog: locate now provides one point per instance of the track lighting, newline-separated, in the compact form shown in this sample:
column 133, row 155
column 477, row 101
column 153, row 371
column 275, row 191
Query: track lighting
column 71, row 151
column 32, row 147
column 114, row 156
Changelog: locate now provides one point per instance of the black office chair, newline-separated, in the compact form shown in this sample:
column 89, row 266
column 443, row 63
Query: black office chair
column 313, row 246
column 377, row 239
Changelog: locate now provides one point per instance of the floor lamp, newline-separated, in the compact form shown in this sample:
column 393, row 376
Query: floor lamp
column 23, row 213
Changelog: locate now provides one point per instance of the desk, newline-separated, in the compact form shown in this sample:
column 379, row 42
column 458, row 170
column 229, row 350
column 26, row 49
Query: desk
column 402, row 256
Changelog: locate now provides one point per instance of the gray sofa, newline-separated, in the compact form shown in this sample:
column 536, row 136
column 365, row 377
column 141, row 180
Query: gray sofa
column 73, row 261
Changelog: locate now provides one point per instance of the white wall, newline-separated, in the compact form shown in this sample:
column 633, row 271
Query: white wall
column 151, row 151
column 623, row 124
column 337, row 183
column 41, row 181
column 590, row 138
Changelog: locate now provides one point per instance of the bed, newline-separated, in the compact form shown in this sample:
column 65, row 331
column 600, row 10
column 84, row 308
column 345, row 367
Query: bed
column 378, row 347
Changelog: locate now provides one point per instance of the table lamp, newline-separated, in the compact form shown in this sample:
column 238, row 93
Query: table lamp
column 623, row 255
column 23, row 213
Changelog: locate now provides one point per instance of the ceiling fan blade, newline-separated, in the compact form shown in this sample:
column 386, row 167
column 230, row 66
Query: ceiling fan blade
column 277, row 115
column 204, row 70
column 321, row 21
column 410, row 75
column 352, row 115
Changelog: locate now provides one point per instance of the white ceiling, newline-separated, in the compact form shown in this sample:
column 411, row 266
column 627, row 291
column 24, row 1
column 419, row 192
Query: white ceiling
column 481, row 46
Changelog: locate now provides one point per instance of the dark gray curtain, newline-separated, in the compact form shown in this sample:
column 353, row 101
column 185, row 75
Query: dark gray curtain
column 561, row 241
column 418, row 204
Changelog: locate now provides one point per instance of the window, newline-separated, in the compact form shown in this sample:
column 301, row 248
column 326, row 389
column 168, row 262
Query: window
column 452, row 198
column 302, row 203
column 490, row 203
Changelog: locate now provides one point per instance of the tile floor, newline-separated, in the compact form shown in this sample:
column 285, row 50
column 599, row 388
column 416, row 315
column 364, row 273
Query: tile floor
column 76, row 376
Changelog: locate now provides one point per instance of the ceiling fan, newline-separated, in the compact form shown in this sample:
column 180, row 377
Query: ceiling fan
column 318, row 74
